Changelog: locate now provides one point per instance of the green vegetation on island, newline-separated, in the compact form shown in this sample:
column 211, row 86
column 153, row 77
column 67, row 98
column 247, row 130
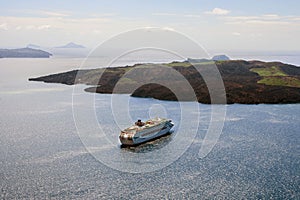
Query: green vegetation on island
column 275, row 76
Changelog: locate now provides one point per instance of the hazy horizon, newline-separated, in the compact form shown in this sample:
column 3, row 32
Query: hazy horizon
column 235, row 26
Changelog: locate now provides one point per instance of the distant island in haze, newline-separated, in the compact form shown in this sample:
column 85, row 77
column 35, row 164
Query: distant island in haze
column 246, row 82
column 203, row 60
column 72, row 45
column 24, row 53
column 220, row 57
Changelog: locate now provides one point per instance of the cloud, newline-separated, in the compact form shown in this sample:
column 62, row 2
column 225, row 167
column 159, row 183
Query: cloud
column 218, row 11
column 168, row 29
column 271, row 16
column 192, row 15
column 97, row 15
column 271, row 19
column 97, row 31
column 53, row 13
column 178, row 15
column 43, row 13
column 266, row 22
column 150, row 27
column 4, row 26
column 18, row 28
column 236, row 33
column 47, row 26
column 30, row 27
column 164, row 14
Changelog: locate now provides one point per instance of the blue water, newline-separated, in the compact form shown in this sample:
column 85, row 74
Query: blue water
column 42, row 155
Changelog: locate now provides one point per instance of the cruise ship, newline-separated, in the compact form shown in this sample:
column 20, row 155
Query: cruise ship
column 142, row 132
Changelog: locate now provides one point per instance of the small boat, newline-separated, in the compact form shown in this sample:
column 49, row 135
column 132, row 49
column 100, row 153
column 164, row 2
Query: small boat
column 142, row 132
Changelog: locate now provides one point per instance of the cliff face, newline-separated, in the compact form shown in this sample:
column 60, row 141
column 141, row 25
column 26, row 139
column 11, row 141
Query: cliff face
column 248, row 82
column 24, row 53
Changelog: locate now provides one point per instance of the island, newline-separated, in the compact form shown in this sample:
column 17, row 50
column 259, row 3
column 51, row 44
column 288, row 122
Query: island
column 71, row 45
column 24, row 53
column 220, row 57
column 245, row 82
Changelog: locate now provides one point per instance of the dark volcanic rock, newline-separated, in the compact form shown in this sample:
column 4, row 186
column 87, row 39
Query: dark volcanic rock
column 240, row 82
column 67, row 78
column 155, row 91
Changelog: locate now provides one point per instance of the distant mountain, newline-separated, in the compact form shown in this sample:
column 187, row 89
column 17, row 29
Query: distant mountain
column 33, row 46
column 24, row 53
column 196, row 60
column 71, row 45
column 204, row 60
column 220, row 58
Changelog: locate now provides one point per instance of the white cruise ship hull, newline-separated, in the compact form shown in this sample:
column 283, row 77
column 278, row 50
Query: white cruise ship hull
column 144, row 134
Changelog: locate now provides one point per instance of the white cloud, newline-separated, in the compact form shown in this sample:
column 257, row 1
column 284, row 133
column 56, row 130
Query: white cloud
column 47, row 26
column 164, row 14
column 236, row 33
column 44, row 13
column 271, row 19
column 241, row 18
column 4, row 26
column 271, row 16
column 295, row 19
column 53, row 13
column 193, row 16
column 97, row 15
column 218, row 11
column 97, row 31
column 168, row 29
column 150, row 27
column 265, row 22
column 30, row 27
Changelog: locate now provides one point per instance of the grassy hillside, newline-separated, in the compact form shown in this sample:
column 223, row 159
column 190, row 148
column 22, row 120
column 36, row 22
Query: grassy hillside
column 272, row 71
column 275, row 76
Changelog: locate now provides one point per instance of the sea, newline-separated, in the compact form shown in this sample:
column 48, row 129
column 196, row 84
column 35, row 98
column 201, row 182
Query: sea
column 54, row 146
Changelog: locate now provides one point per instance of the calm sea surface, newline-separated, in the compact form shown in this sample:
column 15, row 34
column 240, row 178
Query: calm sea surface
column 42, row 156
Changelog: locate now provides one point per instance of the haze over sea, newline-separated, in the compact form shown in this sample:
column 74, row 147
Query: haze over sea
column 42, row 156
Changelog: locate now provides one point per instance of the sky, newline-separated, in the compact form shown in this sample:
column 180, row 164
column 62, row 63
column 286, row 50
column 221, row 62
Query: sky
column 249, row 25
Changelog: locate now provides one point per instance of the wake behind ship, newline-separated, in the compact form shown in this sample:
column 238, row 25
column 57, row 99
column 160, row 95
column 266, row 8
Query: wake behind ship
column 145, row 131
